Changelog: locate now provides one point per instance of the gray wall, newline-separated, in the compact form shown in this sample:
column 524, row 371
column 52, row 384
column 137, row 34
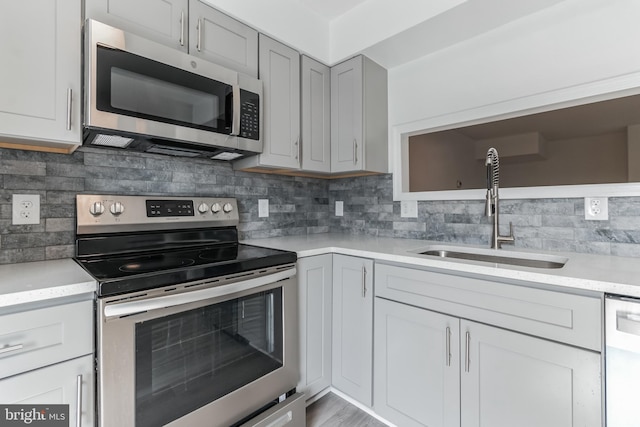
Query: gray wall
column 297, row 205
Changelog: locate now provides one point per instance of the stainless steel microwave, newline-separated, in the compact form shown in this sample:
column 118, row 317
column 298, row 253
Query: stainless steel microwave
column 145, row 96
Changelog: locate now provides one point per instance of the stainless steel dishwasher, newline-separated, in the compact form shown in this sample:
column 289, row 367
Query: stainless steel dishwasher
column 622, row 358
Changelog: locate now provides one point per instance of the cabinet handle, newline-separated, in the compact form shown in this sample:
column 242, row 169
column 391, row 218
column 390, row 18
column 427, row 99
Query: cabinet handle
column 466, row 352
column 364, row 281
column 79, row 401
column 182, row 28
column 69, row 98
column 9, row 349
column 297, row 145
column 199, row 45
column 448, row 346
column 355, row 151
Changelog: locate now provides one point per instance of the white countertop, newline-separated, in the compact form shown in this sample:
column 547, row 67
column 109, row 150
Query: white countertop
column 43, row 280
column 609, row 274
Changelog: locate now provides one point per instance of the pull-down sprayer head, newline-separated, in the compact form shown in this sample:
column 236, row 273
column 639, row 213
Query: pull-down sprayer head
column 492, row 163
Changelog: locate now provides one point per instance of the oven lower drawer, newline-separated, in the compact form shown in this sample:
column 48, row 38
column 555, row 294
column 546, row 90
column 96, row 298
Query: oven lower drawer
column 290, row 413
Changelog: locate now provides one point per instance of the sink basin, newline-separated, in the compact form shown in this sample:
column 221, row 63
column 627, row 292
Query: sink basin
column 521, row 259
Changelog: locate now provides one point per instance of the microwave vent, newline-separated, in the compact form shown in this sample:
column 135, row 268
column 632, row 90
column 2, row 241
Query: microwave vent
column 226, row 155
column 111, row 141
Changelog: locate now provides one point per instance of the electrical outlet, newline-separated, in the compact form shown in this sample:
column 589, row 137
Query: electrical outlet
column 339, row 208
column 263, row 208
column 596, row 208
column 409, row 209
column 26, row 209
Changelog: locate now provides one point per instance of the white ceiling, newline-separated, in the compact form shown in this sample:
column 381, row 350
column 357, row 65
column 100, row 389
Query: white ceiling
column 391, row 32
column 331, row 9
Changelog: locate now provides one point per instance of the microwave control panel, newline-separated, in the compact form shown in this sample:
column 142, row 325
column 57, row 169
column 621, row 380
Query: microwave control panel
column 249, row 115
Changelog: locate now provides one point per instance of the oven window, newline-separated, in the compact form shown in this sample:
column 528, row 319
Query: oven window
column 134, row 86
column 189, row 359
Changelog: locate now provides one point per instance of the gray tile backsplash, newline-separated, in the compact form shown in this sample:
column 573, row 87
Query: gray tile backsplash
column 297, row 205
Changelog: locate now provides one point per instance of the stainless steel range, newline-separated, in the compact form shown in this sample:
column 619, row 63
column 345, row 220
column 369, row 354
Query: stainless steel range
column 193, row 328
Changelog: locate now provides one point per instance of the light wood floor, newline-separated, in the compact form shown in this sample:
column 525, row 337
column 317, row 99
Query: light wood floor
column 332, row 411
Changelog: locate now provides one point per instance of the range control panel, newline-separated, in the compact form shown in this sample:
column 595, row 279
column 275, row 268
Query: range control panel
column 109, row 213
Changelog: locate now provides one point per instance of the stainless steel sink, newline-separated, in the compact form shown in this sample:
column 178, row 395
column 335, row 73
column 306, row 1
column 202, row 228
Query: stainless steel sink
column 519, row 259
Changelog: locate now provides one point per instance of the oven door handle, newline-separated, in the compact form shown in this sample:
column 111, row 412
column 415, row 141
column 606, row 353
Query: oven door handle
column 133, row 307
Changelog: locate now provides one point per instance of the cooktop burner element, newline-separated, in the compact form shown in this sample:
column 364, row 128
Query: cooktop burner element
column 154, row 263
column 134, row 243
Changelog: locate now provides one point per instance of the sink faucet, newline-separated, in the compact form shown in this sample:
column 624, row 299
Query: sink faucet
column 493, row 177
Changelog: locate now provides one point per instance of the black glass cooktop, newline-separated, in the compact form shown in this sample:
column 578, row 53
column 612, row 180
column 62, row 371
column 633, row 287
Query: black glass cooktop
column 135, row 263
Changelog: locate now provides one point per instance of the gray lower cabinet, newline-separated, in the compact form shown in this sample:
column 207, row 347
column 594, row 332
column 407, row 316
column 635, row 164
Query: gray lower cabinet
column 46, row 357
column 496, row 373
column 352, row 353
column 417, row 366
column 70, row 382
column 511, row 379
column 188, row 25
column 40, row 77
column 359, row 122
column 315, row 99
column 315, row 295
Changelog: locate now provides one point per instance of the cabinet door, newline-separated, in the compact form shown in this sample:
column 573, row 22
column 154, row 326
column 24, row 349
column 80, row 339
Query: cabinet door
column 417, row 366
column 221, row 39
column 316, row 116
column 315, row 299
column 56, row 384
column 346, row 116
column 163, row 21
column 40, row 75
column 353, row 327
column 280, row 74
column 510, row 379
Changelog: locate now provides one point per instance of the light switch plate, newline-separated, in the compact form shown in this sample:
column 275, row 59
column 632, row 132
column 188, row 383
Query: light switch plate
column 263, row 208
column 26, row 209
column 409, row 209
column 339, row 208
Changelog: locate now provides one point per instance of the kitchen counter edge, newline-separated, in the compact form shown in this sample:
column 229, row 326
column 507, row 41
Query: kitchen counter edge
column 598, row 273
column 43, row 281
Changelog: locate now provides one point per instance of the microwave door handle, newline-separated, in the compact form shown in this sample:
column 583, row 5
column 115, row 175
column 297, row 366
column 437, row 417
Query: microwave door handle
column 235, row 121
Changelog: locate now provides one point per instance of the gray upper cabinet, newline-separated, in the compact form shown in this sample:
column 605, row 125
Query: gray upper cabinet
column 280, row 75
column 40, row 76
column 316, row 116
column 188, row 25
column 219, row 38
column 352, row 353
column 359, row 129
column 315, row 298
column 163, row 21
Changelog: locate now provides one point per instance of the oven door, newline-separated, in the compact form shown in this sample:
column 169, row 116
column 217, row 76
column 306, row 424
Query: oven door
column 209, row 356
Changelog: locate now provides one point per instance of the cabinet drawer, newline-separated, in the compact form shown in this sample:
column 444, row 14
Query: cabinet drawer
column 568, row 318
column 41, row 337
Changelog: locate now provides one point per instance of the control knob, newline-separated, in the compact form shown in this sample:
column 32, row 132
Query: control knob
column 227, row 207
column 203, row 208
column 215, row 208
column 117, row 208
column 96, row 209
